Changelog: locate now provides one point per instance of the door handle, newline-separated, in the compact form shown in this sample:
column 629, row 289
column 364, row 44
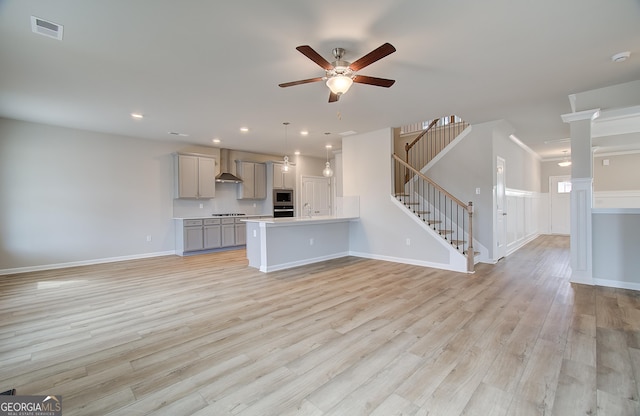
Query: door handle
column 504, row 213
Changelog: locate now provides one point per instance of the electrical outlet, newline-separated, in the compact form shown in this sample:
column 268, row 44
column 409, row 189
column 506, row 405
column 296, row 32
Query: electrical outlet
column 201, row 206
column 477, row 191
column 255, row 233
column 311, row 241
column 408, row 242
column 148, row 239
column 254, row 204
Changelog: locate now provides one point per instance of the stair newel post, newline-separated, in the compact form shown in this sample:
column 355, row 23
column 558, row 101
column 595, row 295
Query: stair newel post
column 406, row 159
column 470, row 251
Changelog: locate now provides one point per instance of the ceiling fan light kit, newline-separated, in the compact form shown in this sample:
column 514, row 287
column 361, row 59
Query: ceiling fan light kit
column 339, row 84
column 339, row 74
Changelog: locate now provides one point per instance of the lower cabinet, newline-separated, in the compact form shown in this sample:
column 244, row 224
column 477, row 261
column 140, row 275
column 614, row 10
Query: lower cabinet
column 241, row 232
column 212, row 234
column 228, row 232
column 194, row 235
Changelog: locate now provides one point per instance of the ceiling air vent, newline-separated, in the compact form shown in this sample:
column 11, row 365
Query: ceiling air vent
column 46, row 28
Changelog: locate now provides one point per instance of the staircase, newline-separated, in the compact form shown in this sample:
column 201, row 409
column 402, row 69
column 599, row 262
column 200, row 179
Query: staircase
column 440, row 211
column 434, row 136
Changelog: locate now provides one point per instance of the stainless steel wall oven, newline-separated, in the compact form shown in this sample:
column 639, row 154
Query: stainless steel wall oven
column 283, row 203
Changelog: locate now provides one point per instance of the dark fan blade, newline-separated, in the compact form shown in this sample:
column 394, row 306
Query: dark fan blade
column 378, row 82
column 308, row 51
column 373, row 56
column 333, row 97
column 302, row 81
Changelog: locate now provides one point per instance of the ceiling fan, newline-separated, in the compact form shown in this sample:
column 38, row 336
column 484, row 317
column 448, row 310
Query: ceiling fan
column 339, row 74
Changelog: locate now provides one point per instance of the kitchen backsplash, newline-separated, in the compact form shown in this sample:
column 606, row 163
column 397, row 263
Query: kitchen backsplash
column 225, row 202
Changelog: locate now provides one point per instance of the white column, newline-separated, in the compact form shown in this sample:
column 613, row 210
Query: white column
column 581, row 194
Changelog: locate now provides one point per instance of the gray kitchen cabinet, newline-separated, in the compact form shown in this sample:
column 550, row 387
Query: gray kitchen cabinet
column 228, row 232
column 201, row 234
column 195, row 176
column 241, row 232
column 284, row 180
column 198, row 234
column 212, row 237
column 254, row 180
column 192, row 235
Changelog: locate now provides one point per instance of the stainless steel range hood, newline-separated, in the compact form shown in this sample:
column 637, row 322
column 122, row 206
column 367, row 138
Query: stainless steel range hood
column 225, row 176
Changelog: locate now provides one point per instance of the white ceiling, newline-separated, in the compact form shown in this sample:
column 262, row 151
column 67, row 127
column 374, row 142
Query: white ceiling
column 206, row 68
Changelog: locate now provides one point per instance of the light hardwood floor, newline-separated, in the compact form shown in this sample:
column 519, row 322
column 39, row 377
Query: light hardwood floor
column 206, row 335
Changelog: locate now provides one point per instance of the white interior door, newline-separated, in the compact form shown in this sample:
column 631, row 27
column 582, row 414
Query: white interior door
column 501, row 223
column 560, row 204
column 316, row 191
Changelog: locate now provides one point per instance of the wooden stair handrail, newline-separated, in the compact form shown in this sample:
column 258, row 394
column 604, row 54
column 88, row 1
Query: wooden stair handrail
column 470, row 253
column 408, row 146
column 435, row 185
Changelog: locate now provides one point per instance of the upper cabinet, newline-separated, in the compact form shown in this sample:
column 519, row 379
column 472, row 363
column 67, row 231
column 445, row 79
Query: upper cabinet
column 283, row 180
column 254, row 180
column 195, row 176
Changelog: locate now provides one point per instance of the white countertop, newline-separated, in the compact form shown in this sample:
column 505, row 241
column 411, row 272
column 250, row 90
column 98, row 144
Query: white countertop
column 201, row 217
column 301, row 220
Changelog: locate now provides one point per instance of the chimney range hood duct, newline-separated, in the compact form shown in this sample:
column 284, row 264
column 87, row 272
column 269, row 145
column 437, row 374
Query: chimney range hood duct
column 225, row 176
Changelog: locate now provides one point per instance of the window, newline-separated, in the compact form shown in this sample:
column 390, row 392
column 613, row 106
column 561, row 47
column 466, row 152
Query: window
column 564, row 187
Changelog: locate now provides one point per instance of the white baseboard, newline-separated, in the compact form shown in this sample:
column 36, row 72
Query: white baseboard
column 289, row 265
column 83, row 263
column 413, row 262
column 618, row 284
column 515, row 246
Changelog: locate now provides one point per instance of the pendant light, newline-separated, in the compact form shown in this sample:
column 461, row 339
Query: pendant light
column 327, row 172
column 285, row 166
column 565, row 161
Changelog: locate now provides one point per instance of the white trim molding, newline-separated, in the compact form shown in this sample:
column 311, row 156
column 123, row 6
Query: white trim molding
column 581, row 115
column 55, row 266
column 616, row 199
column 581, row 253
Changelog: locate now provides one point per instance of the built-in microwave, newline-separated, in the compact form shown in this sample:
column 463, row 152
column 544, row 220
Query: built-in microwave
column 283, row 205
column 283, row 196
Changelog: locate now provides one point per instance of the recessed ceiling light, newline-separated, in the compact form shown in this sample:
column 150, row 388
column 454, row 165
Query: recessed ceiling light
column 347, row 133
column 621, row 57
column 244, row 129
column 137, row 115
column 328, row 146
column 216, row 140
column 304, row 133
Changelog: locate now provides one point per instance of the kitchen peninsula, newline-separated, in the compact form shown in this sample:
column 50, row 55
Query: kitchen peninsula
column 281, row 243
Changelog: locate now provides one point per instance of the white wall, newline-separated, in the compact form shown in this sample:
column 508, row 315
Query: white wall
column 471, row 165
column 383, row 228
column 523, row 185
column 71, row 196
column 464, row 168
column 75, row 197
